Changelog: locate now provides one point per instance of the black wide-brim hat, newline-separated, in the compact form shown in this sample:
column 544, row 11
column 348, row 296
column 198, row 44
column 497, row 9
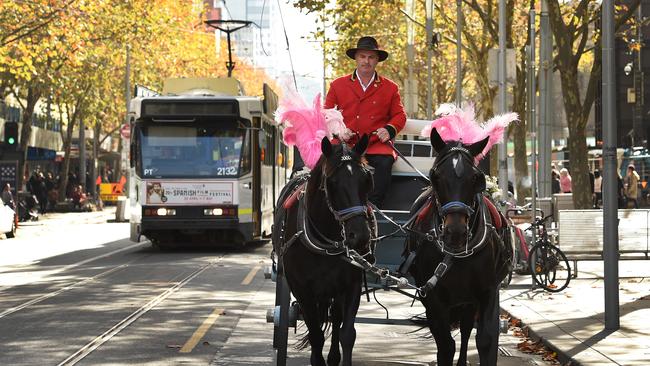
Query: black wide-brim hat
column 368, row 44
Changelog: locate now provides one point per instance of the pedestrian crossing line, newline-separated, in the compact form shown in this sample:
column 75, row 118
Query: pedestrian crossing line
column 249, row 277
column 200, row 332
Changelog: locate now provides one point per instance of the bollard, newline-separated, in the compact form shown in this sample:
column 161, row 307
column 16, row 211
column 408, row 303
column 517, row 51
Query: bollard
column 120, row 209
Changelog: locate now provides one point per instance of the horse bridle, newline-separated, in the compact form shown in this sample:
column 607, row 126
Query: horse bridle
column 347, row 213
column 457, row 206
column 326, row 245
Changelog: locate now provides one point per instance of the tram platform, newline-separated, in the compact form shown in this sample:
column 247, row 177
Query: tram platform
column 572, row 322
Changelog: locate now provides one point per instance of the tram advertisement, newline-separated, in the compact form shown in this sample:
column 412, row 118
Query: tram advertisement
column 189, row 193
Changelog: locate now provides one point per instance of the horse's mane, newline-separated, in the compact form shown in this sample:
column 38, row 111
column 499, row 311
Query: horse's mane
column 316, row 176
column 456, row 124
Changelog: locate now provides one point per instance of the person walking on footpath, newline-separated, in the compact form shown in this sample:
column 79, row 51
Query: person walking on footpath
column 370, row 104
column 555, row 182
column 631, row 186
column 8, row 197
column 565, row 181
column 598, row 189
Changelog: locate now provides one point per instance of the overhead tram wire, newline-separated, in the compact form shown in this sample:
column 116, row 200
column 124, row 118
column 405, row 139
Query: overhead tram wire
column 293, row 72
column 260, row 28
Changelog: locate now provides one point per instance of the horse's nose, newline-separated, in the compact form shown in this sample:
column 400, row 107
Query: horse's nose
column 357, row 238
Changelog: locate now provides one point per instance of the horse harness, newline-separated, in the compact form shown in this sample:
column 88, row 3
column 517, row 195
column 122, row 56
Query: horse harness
column 478, row 227
column 312, row 238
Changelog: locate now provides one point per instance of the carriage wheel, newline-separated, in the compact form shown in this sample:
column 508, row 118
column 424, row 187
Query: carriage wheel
column 281, row 331
column 549, row 267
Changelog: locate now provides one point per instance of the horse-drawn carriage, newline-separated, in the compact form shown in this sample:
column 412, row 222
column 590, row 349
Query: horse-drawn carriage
column 325, row 231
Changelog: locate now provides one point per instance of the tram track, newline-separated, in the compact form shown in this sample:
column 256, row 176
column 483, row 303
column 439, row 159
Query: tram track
column 61, row 290
column 98, row 341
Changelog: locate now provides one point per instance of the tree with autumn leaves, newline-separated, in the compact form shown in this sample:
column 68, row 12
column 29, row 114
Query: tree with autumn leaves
column 577, row 51
column 73, row 52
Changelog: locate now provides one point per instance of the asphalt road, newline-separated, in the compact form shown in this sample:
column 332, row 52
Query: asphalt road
column 75, row 290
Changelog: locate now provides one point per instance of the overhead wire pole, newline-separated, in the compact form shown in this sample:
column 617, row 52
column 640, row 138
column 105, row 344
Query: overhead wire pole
column 530, row 76
column 545, row 75
column 429, row 30
column 503, row 163
column 610, row 185
column 225, row 26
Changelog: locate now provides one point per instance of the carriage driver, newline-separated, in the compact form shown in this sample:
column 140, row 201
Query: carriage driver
column 370, row 104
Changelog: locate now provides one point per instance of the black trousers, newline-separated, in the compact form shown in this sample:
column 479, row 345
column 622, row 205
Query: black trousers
column 382, row 165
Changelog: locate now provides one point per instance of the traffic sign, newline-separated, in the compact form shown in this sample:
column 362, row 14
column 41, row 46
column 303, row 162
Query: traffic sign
column 125, row 131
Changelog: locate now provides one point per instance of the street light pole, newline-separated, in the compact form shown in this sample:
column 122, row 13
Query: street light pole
column 610, row 186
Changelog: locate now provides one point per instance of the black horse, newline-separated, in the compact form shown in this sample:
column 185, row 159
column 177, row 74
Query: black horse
column 323, row 231
column 459, row 257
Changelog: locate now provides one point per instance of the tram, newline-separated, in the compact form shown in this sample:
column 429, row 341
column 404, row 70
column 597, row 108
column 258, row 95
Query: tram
column 205, row 160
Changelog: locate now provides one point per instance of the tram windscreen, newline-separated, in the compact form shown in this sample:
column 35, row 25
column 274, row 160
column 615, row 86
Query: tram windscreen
column 178, row 151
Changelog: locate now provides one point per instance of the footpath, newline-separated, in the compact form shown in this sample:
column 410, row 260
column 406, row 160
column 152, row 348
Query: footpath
column 572, row 322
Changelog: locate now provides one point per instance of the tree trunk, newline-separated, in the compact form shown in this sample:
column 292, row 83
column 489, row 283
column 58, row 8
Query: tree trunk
column 577, row 120
column 522, row 180
column 67, row 146
column 33, row 95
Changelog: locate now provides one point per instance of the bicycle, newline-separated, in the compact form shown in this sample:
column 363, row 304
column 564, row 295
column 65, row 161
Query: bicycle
column 546, row 263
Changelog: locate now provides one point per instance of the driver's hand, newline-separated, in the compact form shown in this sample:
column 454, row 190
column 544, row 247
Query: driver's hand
column 383, row 134
column 346, row 135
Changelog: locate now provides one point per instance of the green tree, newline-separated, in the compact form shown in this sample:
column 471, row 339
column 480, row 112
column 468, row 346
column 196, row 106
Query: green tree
column 578, row 40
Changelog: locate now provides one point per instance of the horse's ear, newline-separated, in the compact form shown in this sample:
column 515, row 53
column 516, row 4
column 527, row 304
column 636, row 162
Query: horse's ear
column 477, row 147
column 436, row 141
column 326, row 146
column 361, row 146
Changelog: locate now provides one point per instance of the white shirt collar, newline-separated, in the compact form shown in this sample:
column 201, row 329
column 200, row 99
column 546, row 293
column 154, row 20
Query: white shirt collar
column 364, row 87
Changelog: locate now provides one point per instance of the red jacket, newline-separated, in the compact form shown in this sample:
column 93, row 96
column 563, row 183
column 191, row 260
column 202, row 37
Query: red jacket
column 365, row 112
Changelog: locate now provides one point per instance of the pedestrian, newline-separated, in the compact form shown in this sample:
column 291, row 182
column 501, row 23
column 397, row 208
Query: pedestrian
column 555, row 182
column 631, row 186
column 370, row 104
column 565, row 181
column 620, row 191
column 50, row 191
column 8, row 197
column 598, row 189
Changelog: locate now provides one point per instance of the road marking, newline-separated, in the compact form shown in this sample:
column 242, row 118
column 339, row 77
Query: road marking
column 199, row 333
column 249, row 277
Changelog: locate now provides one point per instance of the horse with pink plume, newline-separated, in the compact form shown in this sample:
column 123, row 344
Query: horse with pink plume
column 305, row 126
column 456, row 124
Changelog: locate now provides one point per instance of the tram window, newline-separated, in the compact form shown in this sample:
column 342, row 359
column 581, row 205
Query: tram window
column 191, row 151
column 245, row 163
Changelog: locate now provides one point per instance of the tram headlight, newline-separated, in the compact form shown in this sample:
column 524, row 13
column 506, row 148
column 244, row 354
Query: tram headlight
column 165, row 211
column 213, row 211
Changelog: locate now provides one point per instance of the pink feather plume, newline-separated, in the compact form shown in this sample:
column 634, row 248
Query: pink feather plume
column 305, row 126
column 455, row 124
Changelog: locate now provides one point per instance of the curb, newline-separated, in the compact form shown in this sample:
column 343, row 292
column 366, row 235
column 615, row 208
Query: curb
column 562, row 357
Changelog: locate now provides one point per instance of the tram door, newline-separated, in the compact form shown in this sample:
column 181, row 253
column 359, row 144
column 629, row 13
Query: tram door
column 257, row 177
